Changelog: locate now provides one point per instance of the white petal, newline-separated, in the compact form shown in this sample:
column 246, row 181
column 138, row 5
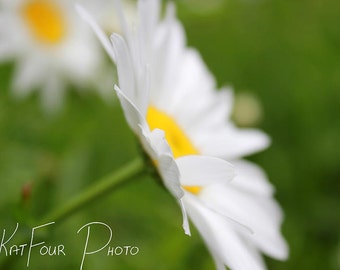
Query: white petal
column 214, row 110
column 227, row 98
column 154, row 143
column 122, row 20
column 222, row 240
column 133, row 78
column 170, row 175
column 148, row 14
column 261, row 214
column 131, row 112
column 52, row 94
column 251, row 178
column 167, row 51
column 147, row 142
column 97, row 30
column 7, row 50
column 157, row 147
column 218, row 262
column 124, row 67
column 189, row 77
column 232, row 143
column 204, row 170
column 28, row 75
column 159, row 143
column 185, row 225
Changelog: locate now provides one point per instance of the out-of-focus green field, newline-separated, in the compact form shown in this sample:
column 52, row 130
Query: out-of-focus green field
column 285, row 52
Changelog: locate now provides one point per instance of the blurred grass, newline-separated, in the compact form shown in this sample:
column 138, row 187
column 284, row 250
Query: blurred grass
column 287, row 53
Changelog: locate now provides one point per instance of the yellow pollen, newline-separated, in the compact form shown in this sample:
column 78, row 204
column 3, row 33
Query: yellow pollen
column 175, row 136
column 178, row 141
column 45, row 20
column 193, row 189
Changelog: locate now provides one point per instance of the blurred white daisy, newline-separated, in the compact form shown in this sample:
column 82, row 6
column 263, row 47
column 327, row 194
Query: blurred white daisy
column 51, row 47
column 170, row 101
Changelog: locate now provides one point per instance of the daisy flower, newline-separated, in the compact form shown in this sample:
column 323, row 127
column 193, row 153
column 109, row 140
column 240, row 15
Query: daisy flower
column 50, row 45
column 170, row 101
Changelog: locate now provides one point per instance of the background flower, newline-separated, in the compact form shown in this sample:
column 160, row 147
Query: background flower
column 52, row 47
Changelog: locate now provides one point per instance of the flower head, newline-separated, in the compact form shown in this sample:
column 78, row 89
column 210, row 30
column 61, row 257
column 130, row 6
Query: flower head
column 50, row 45
column 170, row 101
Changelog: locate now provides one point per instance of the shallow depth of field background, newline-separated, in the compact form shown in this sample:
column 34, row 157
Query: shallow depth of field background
column 285, row 52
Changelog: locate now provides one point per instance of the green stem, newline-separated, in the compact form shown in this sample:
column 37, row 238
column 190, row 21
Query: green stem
column 98, row 190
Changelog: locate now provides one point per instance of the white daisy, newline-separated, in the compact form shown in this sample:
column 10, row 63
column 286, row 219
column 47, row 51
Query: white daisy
column 168, row 147
column 51, row 45
column 134, row 86
column 237, row 220
column 165, row 88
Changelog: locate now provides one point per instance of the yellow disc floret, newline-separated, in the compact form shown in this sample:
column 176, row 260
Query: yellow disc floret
column 45, row 20
column 178, row 141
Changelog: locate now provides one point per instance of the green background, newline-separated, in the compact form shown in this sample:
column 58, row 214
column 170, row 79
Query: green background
column 285, row 52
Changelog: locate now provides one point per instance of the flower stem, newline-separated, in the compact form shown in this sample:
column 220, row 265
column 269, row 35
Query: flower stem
column 99, row 189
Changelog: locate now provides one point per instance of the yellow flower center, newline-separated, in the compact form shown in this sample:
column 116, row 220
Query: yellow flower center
column 178, row 141
column 45, row 20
